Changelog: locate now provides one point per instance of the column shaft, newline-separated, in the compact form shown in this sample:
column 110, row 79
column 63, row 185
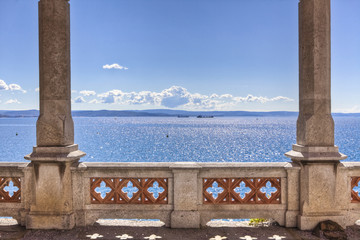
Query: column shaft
column 315, row 126
column 55, row 125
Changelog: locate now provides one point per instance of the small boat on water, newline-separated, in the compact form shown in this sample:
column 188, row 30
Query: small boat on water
column 183, row 116
column 205, row 116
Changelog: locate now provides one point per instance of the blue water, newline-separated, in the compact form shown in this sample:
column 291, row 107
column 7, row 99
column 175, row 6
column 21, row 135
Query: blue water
column 160, row 139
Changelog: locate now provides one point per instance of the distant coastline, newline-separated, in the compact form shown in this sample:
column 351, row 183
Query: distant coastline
column 162, row 113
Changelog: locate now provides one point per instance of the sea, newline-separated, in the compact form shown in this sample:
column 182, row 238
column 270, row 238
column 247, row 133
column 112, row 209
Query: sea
column 172, row 139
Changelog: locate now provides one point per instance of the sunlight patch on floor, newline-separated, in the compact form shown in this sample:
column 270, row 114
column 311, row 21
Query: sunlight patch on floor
column 131, row 222
column 7, row 221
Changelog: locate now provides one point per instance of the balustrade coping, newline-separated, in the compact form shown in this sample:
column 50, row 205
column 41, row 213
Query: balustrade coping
column 188, row 165
column 14, row 164
column 179, row 165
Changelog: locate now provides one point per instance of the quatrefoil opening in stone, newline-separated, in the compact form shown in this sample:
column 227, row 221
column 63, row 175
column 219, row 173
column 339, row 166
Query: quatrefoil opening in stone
column 356, row 188
column 242, row 190
column 268, row 190
column 103, row 190
column 215, row 190
column 11, row 189
column 130, row 189
column 156, row 190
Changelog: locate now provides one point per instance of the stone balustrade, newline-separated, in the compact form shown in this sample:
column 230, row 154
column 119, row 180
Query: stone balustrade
column 181, row 194
column 58, row 192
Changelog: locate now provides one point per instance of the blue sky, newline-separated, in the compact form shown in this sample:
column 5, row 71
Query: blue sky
column 179, row 54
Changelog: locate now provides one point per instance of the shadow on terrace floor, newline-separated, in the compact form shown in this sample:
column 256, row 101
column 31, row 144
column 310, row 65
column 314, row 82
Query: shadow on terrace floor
column 155, row 233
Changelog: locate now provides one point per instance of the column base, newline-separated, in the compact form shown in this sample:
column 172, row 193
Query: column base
column 315, row 153
column 319, row 181
column 55, row 154
column 185, row 219
column 38, row 220
column 52, row 187
column 310, row 222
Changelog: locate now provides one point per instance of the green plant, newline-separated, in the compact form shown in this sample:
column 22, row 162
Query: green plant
column 257, row 221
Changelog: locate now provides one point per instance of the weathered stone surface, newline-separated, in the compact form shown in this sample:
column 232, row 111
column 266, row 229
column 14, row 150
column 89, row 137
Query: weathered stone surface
column 186, row 189
column 50, row 221
column 320, row 197
column 318, row 189
column 53, row 190
column 315, row 126
column 315, row 153
column 293, row 195
column 185, row 219
column 315, row 150
column 69, row 153
column 54, row 46
column 55, row 125
column 51, row 205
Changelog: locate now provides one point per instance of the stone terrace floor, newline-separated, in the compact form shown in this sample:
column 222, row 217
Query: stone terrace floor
column 101, row 232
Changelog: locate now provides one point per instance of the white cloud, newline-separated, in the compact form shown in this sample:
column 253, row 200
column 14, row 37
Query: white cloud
column 73, row 91
column 115, row 66
column 79, row 100
column 3, row 85
column 16, row 87
column 251, row 98
column 12, row 86
column 354, row 109
column 87, row 93
column 177, row 96
column 111, row 96
column 94, row 101
column 11, row 101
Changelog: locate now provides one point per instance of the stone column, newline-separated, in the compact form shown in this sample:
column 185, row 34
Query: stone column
column 55, row 153
column 315, row 150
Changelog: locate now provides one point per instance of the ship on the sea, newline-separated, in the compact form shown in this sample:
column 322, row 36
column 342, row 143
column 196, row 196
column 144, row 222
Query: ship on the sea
column 205, row 116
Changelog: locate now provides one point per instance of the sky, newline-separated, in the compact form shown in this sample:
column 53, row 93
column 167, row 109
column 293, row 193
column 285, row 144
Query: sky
column 179, row 54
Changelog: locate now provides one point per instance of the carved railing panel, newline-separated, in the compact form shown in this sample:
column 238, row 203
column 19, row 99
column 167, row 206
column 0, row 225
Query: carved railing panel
column 355, row 189
column 129, row 190
column 10, row 189
column 241, row 190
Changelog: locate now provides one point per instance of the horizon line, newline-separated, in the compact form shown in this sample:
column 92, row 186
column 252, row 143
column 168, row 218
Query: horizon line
column 180, row 110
